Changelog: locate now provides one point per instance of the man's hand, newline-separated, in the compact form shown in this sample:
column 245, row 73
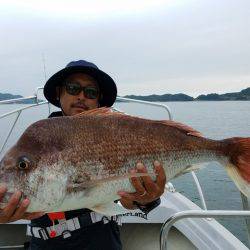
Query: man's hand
column 146, row 189
column 13, row 210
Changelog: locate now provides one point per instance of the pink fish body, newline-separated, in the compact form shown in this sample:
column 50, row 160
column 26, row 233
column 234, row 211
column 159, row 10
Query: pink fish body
column 67, row 163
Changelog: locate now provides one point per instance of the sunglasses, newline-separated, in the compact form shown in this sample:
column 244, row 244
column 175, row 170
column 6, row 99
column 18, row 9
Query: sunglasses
column 74, row 88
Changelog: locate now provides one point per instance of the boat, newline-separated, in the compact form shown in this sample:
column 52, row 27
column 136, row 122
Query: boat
column 178, row 223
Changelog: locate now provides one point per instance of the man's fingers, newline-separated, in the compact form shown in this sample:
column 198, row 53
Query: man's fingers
column 127, row 196
column 10, row 208
column 127, row 203
column 146, row 190
column 136, row 182
column 148, row 183
column 15, row 210
column 19, row 212
column 160, row 175
column 3, row 190
column 142, row 199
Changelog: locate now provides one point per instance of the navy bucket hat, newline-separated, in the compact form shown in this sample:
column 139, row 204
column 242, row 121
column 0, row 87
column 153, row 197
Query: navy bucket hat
column 106, row 84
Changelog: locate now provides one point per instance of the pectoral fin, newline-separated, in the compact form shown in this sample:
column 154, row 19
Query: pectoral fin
column 190, row 168
column 193, row 167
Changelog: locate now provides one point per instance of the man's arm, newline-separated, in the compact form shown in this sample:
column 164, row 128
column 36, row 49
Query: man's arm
column 148, row 192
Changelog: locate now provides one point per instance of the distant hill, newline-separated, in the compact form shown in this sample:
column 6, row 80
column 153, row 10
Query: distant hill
column 7, row 96
column 243, row 95
column 162, row 98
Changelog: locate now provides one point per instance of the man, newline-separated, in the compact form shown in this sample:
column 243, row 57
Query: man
column 81, row 86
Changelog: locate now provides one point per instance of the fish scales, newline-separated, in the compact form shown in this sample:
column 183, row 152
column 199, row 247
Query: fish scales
column 107, row 139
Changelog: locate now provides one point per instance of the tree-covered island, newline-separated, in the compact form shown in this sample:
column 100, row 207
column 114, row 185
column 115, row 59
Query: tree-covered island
column 243, row 95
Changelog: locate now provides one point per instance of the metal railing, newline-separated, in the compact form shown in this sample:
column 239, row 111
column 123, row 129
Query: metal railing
column 195, row 214
column 148, row 103
column 18, row 112
column 16, row 100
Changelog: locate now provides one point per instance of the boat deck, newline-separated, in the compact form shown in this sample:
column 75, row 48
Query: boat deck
column 146, row 237
column 133, row 236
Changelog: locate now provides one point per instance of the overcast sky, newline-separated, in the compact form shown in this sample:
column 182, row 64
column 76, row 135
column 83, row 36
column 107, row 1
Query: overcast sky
column 171, row 46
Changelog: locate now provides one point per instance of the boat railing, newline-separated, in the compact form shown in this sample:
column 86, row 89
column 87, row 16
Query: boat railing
column 165, row 229
column 165, row 107
column 18, row 112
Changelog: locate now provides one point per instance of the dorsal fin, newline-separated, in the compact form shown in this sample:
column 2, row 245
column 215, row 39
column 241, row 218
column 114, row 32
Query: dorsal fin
column 96, row 111
column 184, row 128
column 99, row 111
column 104, row 111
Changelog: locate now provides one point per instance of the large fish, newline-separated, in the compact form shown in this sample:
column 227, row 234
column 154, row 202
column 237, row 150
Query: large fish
column 81, row 161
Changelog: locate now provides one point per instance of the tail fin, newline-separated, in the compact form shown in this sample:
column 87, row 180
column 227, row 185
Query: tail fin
column 238, row 168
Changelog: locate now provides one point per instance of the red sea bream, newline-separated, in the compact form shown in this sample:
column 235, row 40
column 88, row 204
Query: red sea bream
column 66, row 163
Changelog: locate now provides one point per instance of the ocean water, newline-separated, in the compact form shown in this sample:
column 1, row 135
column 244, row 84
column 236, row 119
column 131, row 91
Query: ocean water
column 215, row 120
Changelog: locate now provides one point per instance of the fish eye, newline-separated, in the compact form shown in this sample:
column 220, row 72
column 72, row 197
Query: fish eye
column 23, row 163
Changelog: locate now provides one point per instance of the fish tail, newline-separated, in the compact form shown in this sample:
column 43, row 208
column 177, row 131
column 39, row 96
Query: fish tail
column 238, row 166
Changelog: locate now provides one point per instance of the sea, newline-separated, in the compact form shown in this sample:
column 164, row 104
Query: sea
column 214, row 119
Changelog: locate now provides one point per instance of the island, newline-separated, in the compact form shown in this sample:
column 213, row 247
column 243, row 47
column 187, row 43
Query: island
column 243, row 95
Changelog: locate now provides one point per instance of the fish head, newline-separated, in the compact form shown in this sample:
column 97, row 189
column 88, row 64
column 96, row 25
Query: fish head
column 33, row 167
column 16, row 167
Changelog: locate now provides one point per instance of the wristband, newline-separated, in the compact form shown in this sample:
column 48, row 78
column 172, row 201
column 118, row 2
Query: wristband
column 149, row 206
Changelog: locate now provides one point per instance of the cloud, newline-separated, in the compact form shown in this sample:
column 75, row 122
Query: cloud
column 186, row 46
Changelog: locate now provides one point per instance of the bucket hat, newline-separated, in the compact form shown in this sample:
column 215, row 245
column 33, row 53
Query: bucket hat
column 106, row 84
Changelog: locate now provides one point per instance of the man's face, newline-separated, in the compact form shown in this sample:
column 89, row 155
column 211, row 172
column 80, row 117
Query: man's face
column 74, row 104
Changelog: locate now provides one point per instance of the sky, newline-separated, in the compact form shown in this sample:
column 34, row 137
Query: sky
column 148, row 47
